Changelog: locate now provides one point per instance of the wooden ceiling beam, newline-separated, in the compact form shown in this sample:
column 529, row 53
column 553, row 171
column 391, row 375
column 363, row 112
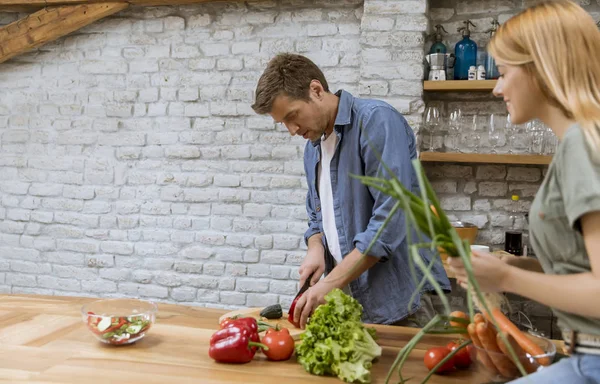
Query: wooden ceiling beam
column 50, row 24
column 7, row 4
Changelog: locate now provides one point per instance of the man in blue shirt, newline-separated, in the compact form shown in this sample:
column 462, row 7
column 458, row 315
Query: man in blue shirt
column 345, row 135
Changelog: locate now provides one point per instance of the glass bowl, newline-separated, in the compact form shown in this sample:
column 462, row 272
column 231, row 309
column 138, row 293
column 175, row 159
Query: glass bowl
column 119, row 321
column 486, row 362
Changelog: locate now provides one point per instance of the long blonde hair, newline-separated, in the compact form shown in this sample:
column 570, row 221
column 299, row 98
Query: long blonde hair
column 558, row 43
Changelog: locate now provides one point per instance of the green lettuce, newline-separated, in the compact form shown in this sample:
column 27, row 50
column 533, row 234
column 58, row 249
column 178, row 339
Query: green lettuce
column 335, row 342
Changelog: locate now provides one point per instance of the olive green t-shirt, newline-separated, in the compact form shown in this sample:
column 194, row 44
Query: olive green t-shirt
column 570, row 189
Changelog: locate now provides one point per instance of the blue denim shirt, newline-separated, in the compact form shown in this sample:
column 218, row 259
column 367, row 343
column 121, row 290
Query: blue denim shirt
column 385, row 289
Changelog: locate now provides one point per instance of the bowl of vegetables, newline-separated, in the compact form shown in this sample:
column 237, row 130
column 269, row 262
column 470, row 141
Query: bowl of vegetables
column 119, row 321
column 494, row 360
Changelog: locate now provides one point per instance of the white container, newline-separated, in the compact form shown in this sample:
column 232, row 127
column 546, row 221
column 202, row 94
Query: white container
column 480, row 248
column 472, row 72
column 480, row 73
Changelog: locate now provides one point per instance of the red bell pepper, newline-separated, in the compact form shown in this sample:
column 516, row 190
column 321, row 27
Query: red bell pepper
column 248, row 322
column 233, row 345
column 291, row 311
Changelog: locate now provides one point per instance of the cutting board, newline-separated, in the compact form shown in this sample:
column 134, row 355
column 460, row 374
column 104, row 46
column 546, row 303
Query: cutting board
column 255, row 312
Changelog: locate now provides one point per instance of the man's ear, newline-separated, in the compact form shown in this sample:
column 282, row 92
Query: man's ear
column 316, row 89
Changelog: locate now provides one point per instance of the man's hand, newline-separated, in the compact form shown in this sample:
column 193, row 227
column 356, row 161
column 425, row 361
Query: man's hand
column 310, row 300
column 314, row 261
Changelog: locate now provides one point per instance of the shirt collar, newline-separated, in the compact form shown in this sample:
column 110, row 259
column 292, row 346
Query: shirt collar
column 344, row 113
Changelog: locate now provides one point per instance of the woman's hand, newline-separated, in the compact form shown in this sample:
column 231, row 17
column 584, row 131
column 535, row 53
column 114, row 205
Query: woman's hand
column 490, row 272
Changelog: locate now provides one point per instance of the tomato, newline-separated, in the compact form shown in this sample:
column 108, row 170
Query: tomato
column 462, row 358
column 460, row 315
column 436, row 354
column 280, row 343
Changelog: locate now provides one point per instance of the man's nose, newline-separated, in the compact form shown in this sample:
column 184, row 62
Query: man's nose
column 292, row 128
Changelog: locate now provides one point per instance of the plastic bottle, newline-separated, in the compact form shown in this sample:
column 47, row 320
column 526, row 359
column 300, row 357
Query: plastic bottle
column 465, row 52
column 491, row 71
column 438, row 46
column 513, row 236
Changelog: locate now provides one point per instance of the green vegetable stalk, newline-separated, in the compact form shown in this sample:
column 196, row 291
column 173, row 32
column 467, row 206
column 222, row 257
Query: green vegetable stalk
column 336, row 343
column 424, row 213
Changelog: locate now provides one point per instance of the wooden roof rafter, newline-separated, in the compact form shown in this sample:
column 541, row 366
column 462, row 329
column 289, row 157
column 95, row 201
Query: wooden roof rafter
column 49, row 24
column 53, row 19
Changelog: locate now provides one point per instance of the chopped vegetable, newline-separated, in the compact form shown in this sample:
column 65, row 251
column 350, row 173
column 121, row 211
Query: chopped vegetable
column 336, row 342
column 118, row 330
column 291, row 311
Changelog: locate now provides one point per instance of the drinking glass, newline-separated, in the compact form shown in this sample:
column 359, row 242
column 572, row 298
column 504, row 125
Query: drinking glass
column 454, row 123
column 494, row 131
column 432, row 122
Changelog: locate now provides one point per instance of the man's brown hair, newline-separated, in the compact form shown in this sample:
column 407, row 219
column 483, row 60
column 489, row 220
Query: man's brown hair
column 286, row 74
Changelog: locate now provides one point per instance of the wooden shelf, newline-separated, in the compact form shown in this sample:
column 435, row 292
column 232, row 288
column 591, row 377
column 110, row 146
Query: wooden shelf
column 450, row 157
column 459, row 85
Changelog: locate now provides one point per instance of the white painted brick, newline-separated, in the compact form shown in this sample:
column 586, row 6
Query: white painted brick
column 98, row 286
column 44, row 243
column 208, row 295
column 52, row 282
column 87, row 246
column 491, row 172
column 280, row 272
column 174, row 23
column 183, row 294
column 492, row 188
column 78, row 192
column 283, row 287
column 522, row 174
column 377, row 23
column 103, row 67
column 197, row 252
column 12, row 227
column 185, row 52
column 18, row 279
column 470, row 187
column 37, row 189
column 18, row 214
column 232, row 298
column 188, row 94
column 115, row 274
column 455, row 203
column 252, row 285
column 214, row 49
column 116, row 247
column 384, row 7
column 196, row 110
column 29, row 267
column 199, row 21
column 260, row 300
column 76, row 219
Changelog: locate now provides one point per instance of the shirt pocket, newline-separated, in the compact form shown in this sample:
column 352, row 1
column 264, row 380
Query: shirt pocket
column 560, row 239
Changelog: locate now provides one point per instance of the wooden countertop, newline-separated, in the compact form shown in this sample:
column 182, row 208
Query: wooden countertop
column 43, row 340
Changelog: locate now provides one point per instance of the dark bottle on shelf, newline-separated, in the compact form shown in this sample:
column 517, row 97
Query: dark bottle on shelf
column 513, row 236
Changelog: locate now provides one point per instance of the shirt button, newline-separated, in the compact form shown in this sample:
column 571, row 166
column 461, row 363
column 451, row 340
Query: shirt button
column 319, row 208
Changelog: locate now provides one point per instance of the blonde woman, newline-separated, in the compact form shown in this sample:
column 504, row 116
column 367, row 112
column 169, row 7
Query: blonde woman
column 549, row 60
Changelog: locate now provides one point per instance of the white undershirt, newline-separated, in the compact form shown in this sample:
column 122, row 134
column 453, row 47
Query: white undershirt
column 326, row 196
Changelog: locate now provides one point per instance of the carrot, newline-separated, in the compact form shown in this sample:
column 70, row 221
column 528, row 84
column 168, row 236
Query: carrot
column 478, row 318
column 482, row 356
column 527, row 364
column 461, row 315
column 524, row 342
column 487, row 337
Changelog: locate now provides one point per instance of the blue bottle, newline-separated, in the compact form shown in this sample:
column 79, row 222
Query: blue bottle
column 465, row 52
column 491, row 71
column 438, row 46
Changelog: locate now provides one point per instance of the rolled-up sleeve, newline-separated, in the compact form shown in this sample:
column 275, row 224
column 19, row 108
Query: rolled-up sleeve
column 314, row 224
column 385, row 133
